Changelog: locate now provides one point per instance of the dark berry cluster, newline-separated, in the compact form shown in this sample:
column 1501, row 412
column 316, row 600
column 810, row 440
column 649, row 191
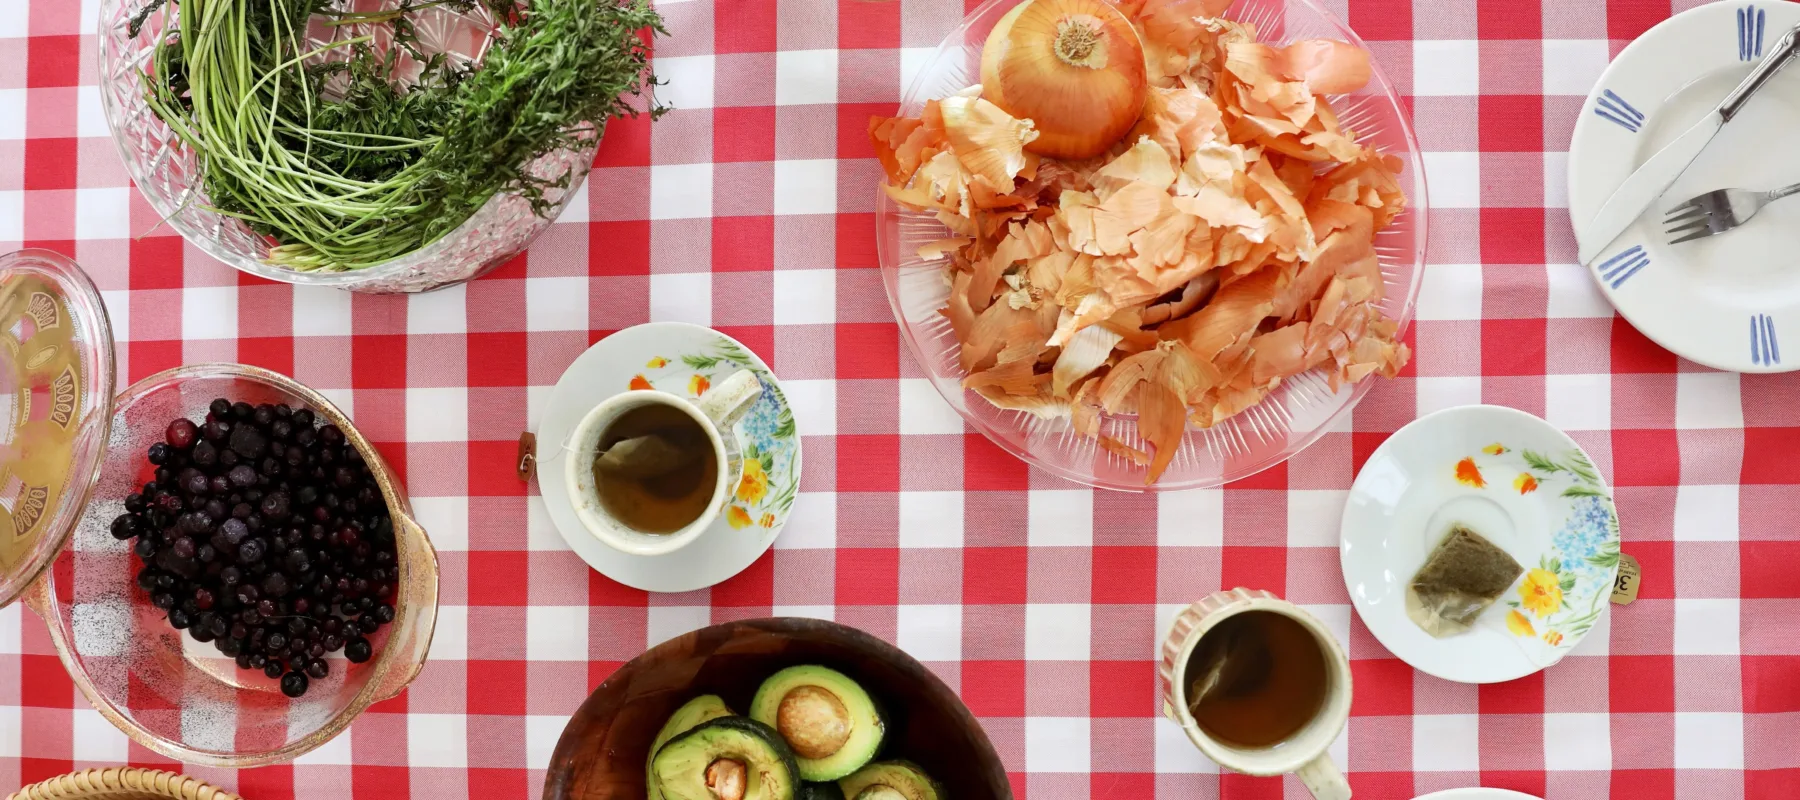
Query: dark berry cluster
column 265, row 534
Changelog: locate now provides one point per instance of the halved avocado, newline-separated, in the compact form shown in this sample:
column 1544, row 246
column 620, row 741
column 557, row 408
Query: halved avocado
column 820, row 791
column 705, row 708
column 832, row 725
column 891, row 780
column 729, row 758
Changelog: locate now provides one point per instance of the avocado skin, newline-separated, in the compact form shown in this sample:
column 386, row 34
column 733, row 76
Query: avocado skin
column 869, row 729
column 819, row 791
column 903, row 776
column 767, row 756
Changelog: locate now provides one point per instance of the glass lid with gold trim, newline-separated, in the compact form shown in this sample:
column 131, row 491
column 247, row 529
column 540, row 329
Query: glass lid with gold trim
column 56, row 391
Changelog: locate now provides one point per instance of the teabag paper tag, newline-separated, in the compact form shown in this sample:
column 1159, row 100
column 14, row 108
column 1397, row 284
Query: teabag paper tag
column 646, row 457
column 1625, row 585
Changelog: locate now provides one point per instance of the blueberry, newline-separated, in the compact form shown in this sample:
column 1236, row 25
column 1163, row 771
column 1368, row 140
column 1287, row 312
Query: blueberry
column 358, row 650
column 293, row 684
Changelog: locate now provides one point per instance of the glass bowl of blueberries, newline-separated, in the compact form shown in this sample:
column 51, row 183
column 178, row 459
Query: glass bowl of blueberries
column 246, row 577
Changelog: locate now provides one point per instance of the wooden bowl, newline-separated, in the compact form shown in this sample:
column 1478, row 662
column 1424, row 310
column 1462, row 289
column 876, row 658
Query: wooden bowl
column 603, row 749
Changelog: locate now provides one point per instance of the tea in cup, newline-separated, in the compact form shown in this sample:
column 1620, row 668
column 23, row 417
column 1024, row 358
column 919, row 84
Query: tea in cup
column 649, row 471
column 1260, row 686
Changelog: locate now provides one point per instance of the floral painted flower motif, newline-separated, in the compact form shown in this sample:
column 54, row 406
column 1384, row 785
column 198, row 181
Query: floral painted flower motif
column 754, row 485
column 767, row 521
column 738, row 517
column 698, row 385
column 1469, row 475
column 1519, row 624
column 1495, row 449
column 657, row 363
column 639, row 382
column 1541, row 592
column 1525, row 483
column 1552, row 638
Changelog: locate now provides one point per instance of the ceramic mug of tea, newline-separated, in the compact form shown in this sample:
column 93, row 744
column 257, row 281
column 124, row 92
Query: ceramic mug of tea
column 649, row 471
column 1260, row 686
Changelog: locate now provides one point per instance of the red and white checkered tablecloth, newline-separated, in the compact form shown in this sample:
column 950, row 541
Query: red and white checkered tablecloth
column 750, row 209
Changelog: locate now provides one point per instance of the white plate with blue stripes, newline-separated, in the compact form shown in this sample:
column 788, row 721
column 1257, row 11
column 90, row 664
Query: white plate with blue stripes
column 1728, row 301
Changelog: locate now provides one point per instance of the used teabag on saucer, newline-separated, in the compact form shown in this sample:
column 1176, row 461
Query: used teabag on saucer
column 1463, row 575
column 649, row 456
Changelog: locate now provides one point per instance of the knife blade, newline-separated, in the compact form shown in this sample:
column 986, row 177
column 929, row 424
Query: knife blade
column 1651, row 180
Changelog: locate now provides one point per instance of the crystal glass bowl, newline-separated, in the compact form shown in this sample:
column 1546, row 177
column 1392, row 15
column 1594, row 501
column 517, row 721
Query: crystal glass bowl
column 165, row 170
column 169, row 692
column 1293, row 416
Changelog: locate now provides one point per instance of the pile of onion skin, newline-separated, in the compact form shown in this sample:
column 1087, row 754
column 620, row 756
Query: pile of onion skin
column 1150, row 213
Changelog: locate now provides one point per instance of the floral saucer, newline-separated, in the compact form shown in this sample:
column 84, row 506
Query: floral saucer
column 1519, row 482
column 684, row 360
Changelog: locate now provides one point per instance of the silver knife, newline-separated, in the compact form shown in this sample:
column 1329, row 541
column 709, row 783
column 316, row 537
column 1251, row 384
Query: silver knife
column 1651, row 180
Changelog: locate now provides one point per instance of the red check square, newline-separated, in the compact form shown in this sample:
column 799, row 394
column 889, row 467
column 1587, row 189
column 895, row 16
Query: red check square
column 1642, row 684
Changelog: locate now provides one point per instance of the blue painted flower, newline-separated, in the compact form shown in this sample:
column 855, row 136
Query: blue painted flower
column 1583, row 534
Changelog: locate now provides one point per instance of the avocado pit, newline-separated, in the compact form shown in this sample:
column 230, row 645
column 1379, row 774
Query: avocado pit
column 726, row 779
column 813, row 721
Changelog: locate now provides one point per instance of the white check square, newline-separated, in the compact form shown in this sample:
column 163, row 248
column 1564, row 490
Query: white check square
column 1455, row 180
column 556, row 633
column 443, row 311
column 1060, row 517
column 681, row 297
column 805, row 296
column 680, row 191
column 437, row 740
column 103, row 213
column 1573, row 293
column 1709, row 740
column 931, row 519
column 95, row 739
column 450, row 639
column 1578, row 402
column 321, row 311
column 806, row 186
column 1440, row 392
column 1706, row 513
column 1314, row 516
column 437, row 415
column 1446, row 743
column 1708, row 400
column 1577, row 742
column 689, row 81
column 1057, row 744
column 806, row 77
column 209, row 312
column 668, row 622
column 930, row 632
column 1706, row 626
column 1190, row 518
column 814, row 404
column 923, row 410
column 1446, row 68
column 556, row 304
column 1573, row 66
column 1057, row 631
column 1450, row 292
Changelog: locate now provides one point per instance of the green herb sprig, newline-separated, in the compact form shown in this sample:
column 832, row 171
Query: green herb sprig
column 324, row 149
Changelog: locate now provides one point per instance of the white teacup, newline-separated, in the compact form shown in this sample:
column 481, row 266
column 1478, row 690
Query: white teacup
column 716, row 412
column 1303, row 751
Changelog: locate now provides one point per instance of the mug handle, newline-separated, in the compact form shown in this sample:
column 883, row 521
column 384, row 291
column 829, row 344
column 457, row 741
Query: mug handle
column 1323, row 779
column 726, row 403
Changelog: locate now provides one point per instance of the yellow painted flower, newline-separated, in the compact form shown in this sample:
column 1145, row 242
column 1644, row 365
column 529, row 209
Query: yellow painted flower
column 1541, row 592
column 1494, row 449
column 1552, row 638
column 698, row 385
column 755, row 483
column 1519, row 624
column 738, row 517
column 1468, row 474
column 767, row 521
column 657, row 363
column 1525, row 483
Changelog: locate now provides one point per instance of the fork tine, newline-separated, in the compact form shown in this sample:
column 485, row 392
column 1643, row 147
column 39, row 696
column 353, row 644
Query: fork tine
column 1683, row 211
column 1702, row 223
column 1700, row 234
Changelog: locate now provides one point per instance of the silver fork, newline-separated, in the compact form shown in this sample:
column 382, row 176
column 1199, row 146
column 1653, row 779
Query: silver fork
column 1718, row 211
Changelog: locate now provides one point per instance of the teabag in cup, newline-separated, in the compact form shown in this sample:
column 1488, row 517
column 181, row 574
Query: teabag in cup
column 1463, row 575
column 649, row 456
column 1232, row 660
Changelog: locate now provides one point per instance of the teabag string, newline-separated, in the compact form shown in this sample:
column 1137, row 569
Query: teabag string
column 1237, row 666
column 647, row 456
